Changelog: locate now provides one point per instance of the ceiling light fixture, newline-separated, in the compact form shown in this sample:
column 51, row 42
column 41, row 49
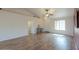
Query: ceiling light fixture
column 49, row 11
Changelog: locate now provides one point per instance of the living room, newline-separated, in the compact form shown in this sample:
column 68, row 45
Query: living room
column 37, row 28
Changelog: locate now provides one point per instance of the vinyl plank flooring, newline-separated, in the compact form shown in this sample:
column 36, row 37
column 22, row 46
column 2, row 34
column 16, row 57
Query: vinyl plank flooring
column 41, row 41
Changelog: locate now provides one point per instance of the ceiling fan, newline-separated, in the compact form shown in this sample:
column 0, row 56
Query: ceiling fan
column 49, row 12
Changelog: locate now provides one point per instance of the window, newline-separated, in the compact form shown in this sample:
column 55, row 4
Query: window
column 60, row 25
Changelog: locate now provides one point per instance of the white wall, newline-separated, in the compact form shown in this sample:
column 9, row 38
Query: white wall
column 14, row 25
column 69, row 26
column 66, row 14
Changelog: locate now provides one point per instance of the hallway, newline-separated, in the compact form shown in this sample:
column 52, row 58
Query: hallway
column 41, row 41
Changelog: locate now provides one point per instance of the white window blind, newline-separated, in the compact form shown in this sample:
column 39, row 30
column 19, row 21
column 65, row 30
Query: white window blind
column 60, row 25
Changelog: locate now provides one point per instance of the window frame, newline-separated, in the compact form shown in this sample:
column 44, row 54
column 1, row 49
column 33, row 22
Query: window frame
column 59, row 26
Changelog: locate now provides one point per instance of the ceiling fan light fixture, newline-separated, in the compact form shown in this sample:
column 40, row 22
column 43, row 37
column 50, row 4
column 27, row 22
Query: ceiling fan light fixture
column 47, row 15
column 49, row 11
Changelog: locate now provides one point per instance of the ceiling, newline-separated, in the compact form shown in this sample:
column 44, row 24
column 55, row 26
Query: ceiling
column 39, row 12
column 59, row 12
column 35, row 11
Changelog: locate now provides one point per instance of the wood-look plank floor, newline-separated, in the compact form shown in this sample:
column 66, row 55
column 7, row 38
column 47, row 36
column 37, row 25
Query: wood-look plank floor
column 42, row 41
